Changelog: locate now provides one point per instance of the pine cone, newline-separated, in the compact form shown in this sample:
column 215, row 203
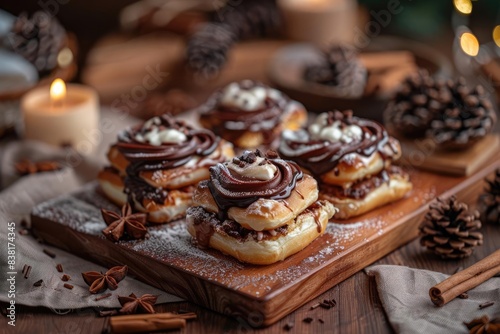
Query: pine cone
column 341, row 69
column 449, row 230
column 466, row 117
column 38, row 39
column 208, row 47
column 416, row 104
column 489, row 202
column 249, row 19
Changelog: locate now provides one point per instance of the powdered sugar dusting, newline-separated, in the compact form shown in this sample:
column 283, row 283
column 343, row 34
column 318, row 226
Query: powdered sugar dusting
column 171, row 244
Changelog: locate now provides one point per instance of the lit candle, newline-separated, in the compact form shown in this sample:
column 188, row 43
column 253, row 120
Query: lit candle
column 62, row 115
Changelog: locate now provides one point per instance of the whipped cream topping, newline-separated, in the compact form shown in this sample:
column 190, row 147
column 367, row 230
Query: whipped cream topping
column 334, row 132
column 260, row 169
column 153, row 133
column 247, row 96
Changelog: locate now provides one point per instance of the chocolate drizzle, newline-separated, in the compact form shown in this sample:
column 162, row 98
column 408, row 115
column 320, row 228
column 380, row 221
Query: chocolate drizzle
column 312, row 209
column 145, row 157
column 231, row 122
column 229, row 188
column 321, row 156
column 361, row 188
column 207, row 223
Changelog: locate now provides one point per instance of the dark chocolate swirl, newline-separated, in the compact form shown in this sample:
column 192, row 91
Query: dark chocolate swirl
column 232, row 122
column 321, row 156
column 229, row 188
column 144, row 156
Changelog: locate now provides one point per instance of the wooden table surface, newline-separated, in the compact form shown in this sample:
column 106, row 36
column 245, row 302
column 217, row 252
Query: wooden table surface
column 358, row 308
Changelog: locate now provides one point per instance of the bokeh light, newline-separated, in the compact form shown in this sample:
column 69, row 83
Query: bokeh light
column 496, row 35
column 469, row 44
column 463, row 6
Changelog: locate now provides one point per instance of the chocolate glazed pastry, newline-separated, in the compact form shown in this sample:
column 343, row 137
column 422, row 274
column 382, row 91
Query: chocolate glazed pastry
column 147, row 156
column 250, row 114
column 229, row 188
column 320, row 156
column 351, row 158
column 258, row 208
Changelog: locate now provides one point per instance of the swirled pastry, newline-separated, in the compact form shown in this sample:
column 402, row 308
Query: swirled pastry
column 351, row 158
column 157, row 164
column 250, row 114
column 259, row 209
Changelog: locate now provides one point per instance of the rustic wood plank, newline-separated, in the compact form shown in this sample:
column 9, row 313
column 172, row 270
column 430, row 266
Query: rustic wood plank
column 255, row 295
column 374, row 321
column 422, row 153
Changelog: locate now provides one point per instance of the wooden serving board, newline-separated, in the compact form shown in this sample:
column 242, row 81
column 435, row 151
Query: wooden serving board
column 255, row 295
column 422, row 153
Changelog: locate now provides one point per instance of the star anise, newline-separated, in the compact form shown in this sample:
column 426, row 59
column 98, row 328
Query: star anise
column 483, row 325
column 26, row 167
column 99, row 282
column 128, row 222
column 133, row 304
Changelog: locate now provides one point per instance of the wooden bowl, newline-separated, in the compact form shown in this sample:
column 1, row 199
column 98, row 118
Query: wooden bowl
column 287, row 68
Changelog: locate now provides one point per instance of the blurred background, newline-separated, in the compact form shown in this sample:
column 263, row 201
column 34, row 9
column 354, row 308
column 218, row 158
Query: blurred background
column 192, row 47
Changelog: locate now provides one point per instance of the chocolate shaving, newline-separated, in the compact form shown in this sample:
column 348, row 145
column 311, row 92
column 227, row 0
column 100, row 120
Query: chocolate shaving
column 68, row 286
column 272, row 154
column 49, row 253
column 325, row 305
column 59, row 268
column 133, row 304
column 108, row 313
column 24, row 269
column 107, row 295
column 485, row 305
column 464, row 295
column 38, row 283
column 321, row 320
column 288, row 326
column 27, row 273
column 330, row 302
column 308, row 320
column 65, row 278
column 24, row 231
column 99, row 282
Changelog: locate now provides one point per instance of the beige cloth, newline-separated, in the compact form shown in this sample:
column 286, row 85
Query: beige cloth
column 404, row 293
column 16, row 201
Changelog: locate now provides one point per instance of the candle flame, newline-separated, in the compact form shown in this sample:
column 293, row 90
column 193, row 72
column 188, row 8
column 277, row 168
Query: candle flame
column 57, row 90
column 496, row 35
column 463, row 6
column 469, row 44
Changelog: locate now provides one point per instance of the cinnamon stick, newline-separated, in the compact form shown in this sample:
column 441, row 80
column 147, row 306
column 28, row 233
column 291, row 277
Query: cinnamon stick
column 465, row 280
column 148, row 322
